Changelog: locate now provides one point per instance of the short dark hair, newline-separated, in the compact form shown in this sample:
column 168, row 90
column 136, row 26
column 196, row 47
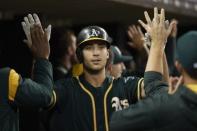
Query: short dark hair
column 60, row 41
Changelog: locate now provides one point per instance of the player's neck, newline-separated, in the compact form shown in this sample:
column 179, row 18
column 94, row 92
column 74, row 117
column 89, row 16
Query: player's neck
column 95, row 80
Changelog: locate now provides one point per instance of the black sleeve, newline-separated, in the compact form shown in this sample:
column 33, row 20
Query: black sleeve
column 4, row 83
column 61, row 91
column 37, row 93
column 136, row 117
column 148, row 114
column 169, row 50
column 153, row 83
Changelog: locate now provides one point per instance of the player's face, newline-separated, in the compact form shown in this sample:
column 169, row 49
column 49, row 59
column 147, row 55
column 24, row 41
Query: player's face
column 117, row 69
column 95, row 55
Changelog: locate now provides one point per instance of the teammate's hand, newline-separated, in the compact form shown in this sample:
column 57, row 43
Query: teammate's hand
column 175, row 82
column 28, row 22
column 157, row 28
column 174, row 28
column 136, row 36
column 40, row 45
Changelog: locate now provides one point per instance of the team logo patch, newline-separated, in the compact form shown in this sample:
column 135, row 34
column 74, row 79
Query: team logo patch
column 118, row 104
column 128, row 78
column 94, row 33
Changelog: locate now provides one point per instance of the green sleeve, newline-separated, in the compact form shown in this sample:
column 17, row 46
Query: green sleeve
column 153, row 83
column 136, row 117
column 37, row 93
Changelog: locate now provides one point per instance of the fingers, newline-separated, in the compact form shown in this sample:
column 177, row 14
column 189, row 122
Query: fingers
column 156, row 16
column 166, row 24
column 143, row 24
column 48, row 32
column 175, row 82
column 133, row 30
column 147, row 17
column 162, row 17
column 155, row 12
column 26, row 21
column 130, row 34
column 169, row 30
column 31, row 19
column 33, row 33
column 25, row 26
column 140, row 31
column 36, row 18
column 180, row 81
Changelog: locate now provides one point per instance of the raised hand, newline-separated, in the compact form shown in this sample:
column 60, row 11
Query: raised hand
column 174, row 83
column 158, row 28
column 136, row 36
column 28, row 22
column 174, row 28
column 40, row 45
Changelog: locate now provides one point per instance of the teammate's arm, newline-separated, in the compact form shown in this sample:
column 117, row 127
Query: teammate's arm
column 158, row 33
column 27, row 92
column 39, row 91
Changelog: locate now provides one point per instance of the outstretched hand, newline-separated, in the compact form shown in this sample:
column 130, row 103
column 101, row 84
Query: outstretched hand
column 158, row 28
column 28, row 22
column 174, row 83
column 40, row 47
column 136, row 36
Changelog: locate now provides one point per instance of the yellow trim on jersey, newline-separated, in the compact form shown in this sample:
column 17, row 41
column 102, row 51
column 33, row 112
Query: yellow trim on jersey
column 77, row 69
column 139, row 88
column 105, row 106
column 53, row 101
column 13, row 84
column 192, row 87
column 93, row 103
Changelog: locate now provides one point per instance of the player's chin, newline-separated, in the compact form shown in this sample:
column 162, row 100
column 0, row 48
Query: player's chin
column 98, row 67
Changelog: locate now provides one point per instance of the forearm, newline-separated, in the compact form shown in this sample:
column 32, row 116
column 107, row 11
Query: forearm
column 33, row 94
column 165, row 69
column 154, row 71
column 36, row 93
column 155, row 58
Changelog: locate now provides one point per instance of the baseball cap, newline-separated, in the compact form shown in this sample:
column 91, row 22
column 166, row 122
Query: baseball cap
column 117, row 56
column 91, row 33
column 186, row 50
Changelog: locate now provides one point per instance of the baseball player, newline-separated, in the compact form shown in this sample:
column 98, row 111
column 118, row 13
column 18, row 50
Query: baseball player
column 166, row 112
column 17, row 91
column 87, row 102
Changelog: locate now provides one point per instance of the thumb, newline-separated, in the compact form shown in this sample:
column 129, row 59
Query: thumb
column 27, row 43
column 48, row 32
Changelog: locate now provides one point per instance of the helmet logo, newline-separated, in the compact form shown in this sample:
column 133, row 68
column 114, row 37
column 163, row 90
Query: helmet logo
column 94, row 33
